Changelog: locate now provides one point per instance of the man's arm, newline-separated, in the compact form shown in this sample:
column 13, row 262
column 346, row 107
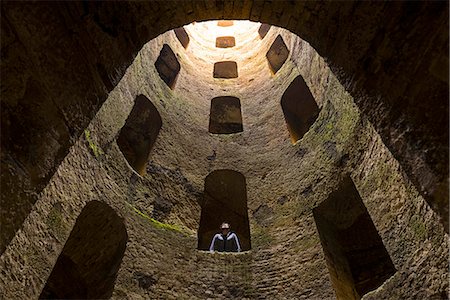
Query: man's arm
column 237, row 242
column 211, row 247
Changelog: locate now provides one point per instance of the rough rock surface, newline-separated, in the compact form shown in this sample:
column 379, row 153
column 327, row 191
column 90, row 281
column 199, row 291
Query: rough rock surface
column 284, row 183
column 62, row 59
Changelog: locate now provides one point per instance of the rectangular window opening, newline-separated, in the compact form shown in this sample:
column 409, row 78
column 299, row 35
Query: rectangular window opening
column 299, row 108
column 168, row 66
column 225, row 69
column 277, row 54
column 224, row 200
column 225, row 23
column 355, row 255
column 138, row 135
column 182, row 36
column 263, row 30
column 225, row 42
column 225, row 115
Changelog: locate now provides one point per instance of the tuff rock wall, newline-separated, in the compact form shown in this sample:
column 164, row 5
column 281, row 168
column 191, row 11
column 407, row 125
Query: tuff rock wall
column 61, row 60
column 161, row 209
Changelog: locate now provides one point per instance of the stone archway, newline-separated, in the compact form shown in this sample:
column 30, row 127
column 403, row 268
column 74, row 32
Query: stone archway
column 139, row 134
column 299, row 108
column 88, row 264
column 62, row 59
column 224, row 200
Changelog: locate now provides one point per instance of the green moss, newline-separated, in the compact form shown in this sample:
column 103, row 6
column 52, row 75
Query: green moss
column 55, row 222
column 97, row 151
column 418, row 227
column 54, row 219
column 385, row 175
column 305, row 243
column 336, row 126
column 154, row 222
column 329, row 126
column 261, row 238
column 34, row 256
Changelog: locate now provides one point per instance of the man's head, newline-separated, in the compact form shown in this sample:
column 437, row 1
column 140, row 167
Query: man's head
column 225, row 228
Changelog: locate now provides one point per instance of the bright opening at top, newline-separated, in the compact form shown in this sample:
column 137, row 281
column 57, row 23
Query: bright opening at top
column 240, row 43
column 206, row 33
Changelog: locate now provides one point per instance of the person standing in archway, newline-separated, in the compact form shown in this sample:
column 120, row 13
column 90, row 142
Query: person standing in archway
column 226, row 241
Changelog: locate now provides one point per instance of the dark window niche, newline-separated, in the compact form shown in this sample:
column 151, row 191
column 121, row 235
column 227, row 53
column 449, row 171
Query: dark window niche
column 225, row 23
column 182, row 36
column 225, row 42
column 224, row 199
column 167, row 66
column 88, row 264
column 225, row 115
column 355, row 255
column 263, row 30
column 138, row 135
column 299, row 108
column 225, row 69
column 277, row 54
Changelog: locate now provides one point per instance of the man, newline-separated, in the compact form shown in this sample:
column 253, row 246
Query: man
column 226, row 241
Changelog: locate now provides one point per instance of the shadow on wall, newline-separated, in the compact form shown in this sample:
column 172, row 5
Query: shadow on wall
column 356, row 258
column 88, row 264
column 224, row 199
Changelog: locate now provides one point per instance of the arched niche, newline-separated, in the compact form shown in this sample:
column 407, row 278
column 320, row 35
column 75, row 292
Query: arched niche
column 225, row 115
column 277, row 54
column 225, row 69
column 224, row 199
column 225, row 42
column 182, row 36
column 263, row 30
column 168, row 66
column 355, row 255
column 225, row 23
column 299, row 108
column 138, row 135
column 88, row 264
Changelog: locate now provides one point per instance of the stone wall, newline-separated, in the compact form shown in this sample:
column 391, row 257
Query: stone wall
column 285, row 182
column 63, row 59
